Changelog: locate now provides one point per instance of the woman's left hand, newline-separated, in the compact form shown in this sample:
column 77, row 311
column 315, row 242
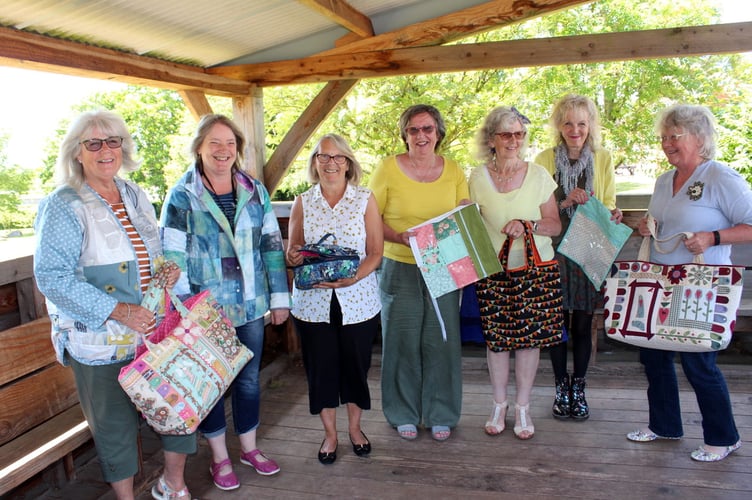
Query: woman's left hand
column 341, row 283
column 699, row 242
column 279, row 316
column 617, row 215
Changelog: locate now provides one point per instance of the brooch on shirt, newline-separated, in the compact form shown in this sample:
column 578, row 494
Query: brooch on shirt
column 695, row 190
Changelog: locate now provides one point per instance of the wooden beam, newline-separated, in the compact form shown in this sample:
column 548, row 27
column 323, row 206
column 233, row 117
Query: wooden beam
column 196, row 102
column 302, row 130
column 583, row 49
column 342, row 13
column 457, row 25
column 248, row 113
column 24, row 50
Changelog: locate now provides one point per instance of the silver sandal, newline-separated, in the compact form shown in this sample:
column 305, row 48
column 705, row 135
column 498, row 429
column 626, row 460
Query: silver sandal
column 162, row 491
column 499, row 413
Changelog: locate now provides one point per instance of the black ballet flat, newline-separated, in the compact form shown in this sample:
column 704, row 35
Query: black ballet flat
column 361, row 449
column 327, row 457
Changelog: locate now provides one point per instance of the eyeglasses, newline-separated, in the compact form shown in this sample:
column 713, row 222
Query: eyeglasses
column 428, row 129
column 520, row 134
column 113, row 142
column 672, row 138
column 325, row 158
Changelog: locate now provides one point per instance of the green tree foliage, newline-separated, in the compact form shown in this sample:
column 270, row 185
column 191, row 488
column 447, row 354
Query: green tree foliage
column 14, row 182
column 629, row 94
column 155, row 118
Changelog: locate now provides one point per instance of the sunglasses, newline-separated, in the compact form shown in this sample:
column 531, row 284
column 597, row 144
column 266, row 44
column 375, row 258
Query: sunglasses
column 428, row 129
column 520, row 134
column 113, row 142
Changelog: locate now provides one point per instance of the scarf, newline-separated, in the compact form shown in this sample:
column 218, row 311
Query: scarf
column 568, row 174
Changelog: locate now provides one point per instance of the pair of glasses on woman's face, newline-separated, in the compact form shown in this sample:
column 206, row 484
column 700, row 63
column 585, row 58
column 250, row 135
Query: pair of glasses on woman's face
column 325, row 158
column 427, row 130
column 506, row 136
column 113, row 142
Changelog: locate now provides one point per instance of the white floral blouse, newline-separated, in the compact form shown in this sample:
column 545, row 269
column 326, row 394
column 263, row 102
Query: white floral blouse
column 359, row 302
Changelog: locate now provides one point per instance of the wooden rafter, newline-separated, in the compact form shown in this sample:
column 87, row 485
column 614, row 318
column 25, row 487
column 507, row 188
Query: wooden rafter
column 25, row 50
column 457, row 25
column 343, row 14
column 583, row 49
column 316, row 112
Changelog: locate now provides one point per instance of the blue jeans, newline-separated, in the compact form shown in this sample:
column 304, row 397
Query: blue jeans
column 710, row 388
column 246, row 394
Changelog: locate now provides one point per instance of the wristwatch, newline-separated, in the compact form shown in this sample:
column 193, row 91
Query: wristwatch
column 535, row 226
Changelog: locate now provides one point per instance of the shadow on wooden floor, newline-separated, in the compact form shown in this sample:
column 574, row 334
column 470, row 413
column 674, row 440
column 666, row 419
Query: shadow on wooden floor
column 586, row 460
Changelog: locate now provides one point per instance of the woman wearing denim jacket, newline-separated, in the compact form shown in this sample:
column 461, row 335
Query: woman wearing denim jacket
column 219, row 226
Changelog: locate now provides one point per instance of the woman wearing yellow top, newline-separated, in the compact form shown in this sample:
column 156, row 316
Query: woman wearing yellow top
column 581, row 168
column 421, row 377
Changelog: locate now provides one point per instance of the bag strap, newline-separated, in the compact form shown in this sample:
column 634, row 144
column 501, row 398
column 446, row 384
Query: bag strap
column 644, row 253
column 532, row 256
column 326, row 237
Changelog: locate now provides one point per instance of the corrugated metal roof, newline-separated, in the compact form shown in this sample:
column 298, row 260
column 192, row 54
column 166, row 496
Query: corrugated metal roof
column 208, row 33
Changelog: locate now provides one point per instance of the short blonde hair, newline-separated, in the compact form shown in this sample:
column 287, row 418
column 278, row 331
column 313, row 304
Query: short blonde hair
column 572, row 102
column 353, row 174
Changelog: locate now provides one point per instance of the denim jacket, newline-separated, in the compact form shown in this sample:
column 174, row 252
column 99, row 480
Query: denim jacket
column 242, row 264
column 85, row 264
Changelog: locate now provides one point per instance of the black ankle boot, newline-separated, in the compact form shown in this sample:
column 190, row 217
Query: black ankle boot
column 561, row 408
column 579, row 408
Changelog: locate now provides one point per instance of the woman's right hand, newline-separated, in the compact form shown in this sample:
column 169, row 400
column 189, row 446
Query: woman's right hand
column 642, row 227
column 577, row 196
column 293, row 256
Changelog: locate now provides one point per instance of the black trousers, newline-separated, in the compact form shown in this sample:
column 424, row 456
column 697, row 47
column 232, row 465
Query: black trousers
column 337, row 358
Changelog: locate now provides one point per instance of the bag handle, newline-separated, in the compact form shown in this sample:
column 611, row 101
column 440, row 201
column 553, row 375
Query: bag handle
column 532, row 256
column 644, row 253
column 326, row 237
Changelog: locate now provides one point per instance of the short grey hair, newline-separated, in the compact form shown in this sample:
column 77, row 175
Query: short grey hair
column 503, row 116
column 68, row 170
column 693, row 119
column 353, row 174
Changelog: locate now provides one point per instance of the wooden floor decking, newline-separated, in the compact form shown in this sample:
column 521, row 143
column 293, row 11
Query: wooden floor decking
column 586, row 460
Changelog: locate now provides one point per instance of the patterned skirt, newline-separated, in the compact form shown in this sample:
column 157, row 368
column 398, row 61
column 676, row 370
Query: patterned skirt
column 579, row 292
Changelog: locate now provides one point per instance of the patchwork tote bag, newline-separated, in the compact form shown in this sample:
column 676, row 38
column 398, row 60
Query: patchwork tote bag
column 325, row 262
column 189, row 362
column 522, row 308
column 677, row 307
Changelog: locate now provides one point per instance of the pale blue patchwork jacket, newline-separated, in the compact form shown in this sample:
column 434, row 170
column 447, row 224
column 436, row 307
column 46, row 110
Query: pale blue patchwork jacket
column 85, row 264
column 244, row 269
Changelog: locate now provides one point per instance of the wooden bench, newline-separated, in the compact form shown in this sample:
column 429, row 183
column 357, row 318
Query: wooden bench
column 41, row 422
column 740, row 255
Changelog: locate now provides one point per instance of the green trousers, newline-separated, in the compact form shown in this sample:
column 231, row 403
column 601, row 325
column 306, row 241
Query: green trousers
column 421, row 374
column 114, row 421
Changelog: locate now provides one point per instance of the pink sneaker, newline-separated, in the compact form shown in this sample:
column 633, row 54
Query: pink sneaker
column 267, row 467
column 227, row 482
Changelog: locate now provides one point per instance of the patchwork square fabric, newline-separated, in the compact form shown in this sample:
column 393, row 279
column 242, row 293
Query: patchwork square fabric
column 453, row 250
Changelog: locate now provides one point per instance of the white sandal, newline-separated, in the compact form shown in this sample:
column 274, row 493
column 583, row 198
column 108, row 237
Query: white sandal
column 499, row 413
column 523, row 426
column 162, row 491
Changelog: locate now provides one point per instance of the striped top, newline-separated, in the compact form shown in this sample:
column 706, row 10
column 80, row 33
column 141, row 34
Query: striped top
column 142, row 256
